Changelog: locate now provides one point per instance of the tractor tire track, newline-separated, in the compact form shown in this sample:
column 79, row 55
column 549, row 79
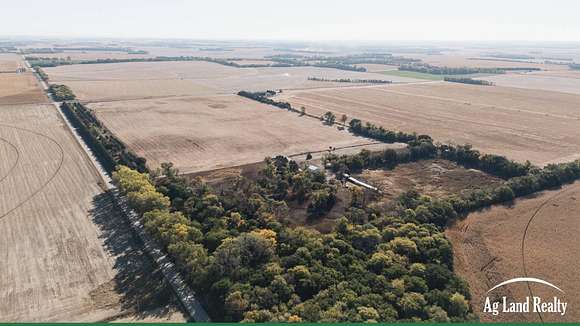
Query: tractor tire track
column 15, row 162
column 49, row 180
column 523, row 247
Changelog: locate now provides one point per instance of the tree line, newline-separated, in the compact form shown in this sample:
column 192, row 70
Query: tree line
column 108, row 149
column 434, row 70
column 520, row 179
column 348, row 80
column 43, row 76
column 61, row 93
column 468, row 81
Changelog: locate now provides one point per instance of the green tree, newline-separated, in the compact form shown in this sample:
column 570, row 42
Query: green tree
column 329, row 118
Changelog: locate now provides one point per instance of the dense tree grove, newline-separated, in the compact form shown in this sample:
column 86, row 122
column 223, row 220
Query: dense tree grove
column 236, row 251
column 61, row 93
column 468, row 81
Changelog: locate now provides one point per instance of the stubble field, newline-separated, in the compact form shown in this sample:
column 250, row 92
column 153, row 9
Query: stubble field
column 20, row 88
column 122, row 81
column 566, row 81
column 66, row 254
column 539, row 126
column 9, row 62
column 204, row 133
column 535, row 237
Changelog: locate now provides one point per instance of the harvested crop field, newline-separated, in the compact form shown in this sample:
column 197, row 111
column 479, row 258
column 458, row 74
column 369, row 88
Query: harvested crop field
column 557, row 81
column 9, row 62
column 66, row 254
column 539, row 126
column 435, row 178
column 493, row 246
column 204, row 133
column 20, row 88
column 122, row 81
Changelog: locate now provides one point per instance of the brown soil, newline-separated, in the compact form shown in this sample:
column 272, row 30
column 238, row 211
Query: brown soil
column 435, row 178
column 196, row 134
column 539, row 232
column 67, row 254
column 20, row 88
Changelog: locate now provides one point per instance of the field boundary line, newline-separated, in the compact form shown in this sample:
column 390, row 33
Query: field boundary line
column 15, row 162
column 47, row 182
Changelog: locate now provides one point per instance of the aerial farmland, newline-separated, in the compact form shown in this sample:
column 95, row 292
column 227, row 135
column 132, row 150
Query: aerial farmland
column 187, row 112
column 65, row 256
column 164, row 178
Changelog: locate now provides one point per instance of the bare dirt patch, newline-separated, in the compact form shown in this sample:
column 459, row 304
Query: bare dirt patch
column 435, row 178
column 488, row 250
column 522, row 124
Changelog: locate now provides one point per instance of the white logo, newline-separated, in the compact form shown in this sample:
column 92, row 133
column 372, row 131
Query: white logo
column 533, row 304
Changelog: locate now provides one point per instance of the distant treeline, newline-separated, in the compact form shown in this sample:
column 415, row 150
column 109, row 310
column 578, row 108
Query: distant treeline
column 575, row 66
column 349, row 60
column 348, row 80
column 468, row 81
column 510, row 56
column 54, row 62
column 83, row 49
column 429, row 69
column 109, row 150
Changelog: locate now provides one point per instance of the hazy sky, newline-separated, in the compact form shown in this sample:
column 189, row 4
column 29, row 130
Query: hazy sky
column 365, row 20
